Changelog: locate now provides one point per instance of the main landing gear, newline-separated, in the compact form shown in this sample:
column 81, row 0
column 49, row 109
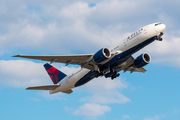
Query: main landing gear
column 115, row 75
column 109, row 73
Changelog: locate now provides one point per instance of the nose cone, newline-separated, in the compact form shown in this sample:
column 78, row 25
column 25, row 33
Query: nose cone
column 160, row 28
column 163, row 26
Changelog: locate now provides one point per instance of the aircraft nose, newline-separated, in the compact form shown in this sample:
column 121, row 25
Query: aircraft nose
column 161, row 28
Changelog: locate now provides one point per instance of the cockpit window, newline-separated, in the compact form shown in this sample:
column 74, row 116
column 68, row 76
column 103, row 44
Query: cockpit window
column 157, row 24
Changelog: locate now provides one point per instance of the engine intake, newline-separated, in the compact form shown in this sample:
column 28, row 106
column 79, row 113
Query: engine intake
column 102, row 55
column 142, row 60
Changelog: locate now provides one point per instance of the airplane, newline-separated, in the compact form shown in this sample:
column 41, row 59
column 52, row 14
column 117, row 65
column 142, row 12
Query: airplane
column 105, row 62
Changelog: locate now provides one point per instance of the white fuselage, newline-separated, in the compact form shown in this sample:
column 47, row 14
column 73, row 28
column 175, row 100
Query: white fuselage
column 135, row 39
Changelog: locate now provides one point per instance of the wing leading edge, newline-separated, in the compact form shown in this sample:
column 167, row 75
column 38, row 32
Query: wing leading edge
column 81, row 60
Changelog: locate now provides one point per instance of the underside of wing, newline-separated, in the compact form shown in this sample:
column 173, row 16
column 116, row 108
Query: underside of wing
column 128, row 66
column 82, row 60
column 67, row 59
column 44, row 87
column 134, row 69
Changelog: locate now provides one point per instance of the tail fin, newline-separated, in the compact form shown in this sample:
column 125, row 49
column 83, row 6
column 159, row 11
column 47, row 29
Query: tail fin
column 54, row 73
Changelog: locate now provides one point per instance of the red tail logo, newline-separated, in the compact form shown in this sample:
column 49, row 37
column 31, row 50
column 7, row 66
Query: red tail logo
column 54, row 73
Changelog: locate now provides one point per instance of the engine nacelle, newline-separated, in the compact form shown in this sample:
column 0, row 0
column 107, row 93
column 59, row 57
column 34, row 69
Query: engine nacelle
column 102, row 55
column 142, row 60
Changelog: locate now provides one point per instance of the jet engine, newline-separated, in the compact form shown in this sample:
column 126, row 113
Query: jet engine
column 102, row 55
column 142, row 60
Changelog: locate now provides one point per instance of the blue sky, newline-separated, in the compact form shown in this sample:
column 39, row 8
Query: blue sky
column 81, row 27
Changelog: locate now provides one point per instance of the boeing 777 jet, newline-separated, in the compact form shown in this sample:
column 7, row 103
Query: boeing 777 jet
column 105, row 62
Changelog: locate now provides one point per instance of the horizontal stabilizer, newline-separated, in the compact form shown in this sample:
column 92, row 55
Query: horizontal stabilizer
column 44, row 87
column 68, row 91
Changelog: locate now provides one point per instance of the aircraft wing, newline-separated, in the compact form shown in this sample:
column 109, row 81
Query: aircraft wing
column 133, row 69
column 81, row 60
column 128, row 66
column 44, row 87
column 67, row 59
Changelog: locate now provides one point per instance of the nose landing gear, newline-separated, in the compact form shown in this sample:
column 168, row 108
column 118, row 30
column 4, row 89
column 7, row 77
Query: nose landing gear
column 159, row 38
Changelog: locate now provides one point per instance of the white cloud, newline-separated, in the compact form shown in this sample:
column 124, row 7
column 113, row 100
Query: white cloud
column 32, row 33
column 106, row 98
column 73, row 23
column 104, row 91
column 72, row 27
column 152, row 118
column 169, row 45
column 78, row 10
column 100, row 84
column 23, row 73
column 100, row 92
column 57, row 96
column 92, row 110
column 57, row 26
column 165, row 52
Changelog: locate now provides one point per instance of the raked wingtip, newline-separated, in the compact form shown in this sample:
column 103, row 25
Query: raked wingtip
column 16, row 56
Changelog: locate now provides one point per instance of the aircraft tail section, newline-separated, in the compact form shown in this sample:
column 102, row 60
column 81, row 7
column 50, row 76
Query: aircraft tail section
column 54, row 73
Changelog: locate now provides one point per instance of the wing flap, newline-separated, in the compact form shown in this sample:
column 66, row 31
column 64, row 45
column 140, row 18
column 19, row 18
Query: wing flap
column 44, row 87
column 140, row 70
column 134, row 69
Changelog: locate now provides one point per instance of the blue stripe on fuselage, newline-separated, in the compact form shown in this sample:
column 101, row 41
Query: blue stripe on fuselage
column 117, row 60
column 89, row 76
column 120, row 58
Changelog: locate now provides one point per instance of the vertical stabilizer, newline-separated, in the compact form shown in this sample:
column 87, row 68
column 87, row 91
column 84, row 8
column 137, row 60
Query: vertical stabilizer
column 54, row 73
